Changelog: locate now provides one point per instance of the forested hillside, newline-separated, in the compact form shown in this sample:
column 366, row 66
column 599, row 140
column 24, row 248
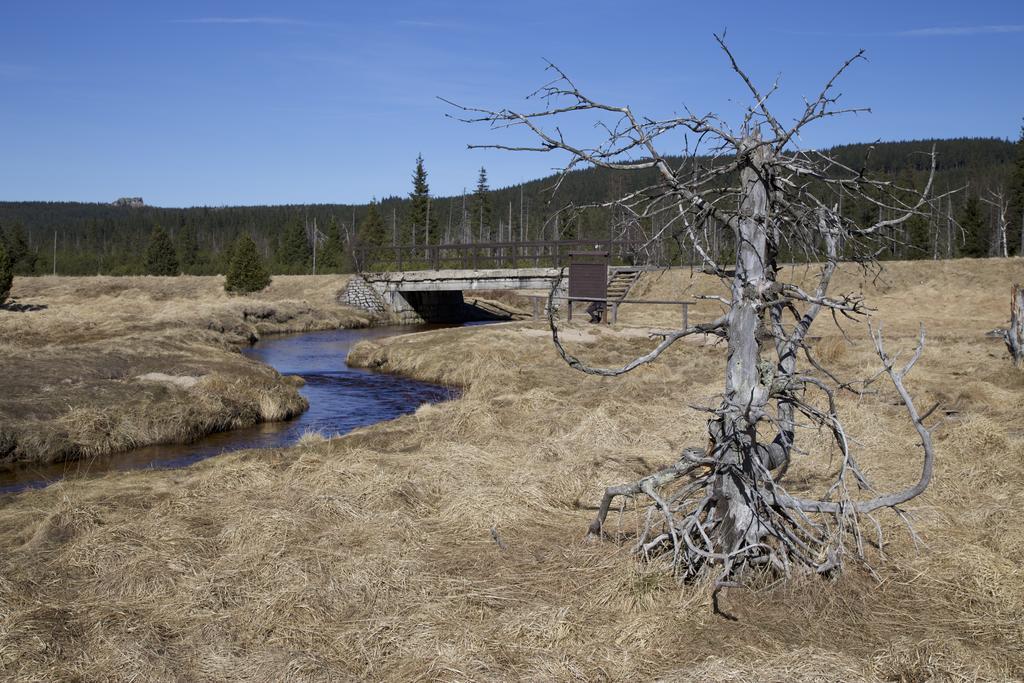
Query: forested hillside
column 113, row 238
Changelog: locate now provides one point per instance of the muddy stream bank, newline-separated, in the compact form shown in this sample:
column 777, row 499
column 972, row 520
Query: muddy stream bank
column 340, row 399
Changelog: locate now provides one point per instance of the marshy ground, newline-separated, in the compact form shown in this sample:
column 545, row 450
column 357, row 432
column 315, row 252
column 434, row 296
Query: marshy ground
column 92, row 366
column 376, row 555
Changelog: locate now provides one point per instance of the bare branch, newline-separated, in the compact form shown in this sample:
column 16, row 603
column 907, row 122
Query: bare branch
column 669, row 339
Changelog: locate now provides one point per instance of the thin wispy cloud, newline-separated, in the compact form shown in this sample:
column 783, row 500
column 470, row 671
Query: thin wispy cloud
column 961, row 30
column 266, row 21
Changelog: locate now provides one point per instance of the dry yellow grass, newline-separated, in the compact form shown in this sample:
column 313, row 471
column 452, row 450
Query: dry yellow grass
column 373, row 556
column 84, row 309
column 106, row 364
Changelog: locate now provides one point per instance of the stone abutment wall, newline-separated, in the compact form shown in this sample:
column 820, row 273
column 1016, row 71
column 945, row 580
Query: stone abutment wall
column 359, row 293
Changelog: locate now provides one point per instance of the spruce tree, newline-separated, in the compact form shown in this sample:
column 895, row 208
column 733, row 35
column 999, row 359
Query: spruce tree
column 568, row 226
column 22, row 259
column 373, row 236
column 246, row 272
column 912, row 238
column 295, row 254
column 918, row 237
column 972, row 221
column 421, row 221
column 481, row 215
column 1015, row 215
column 331, row 257
column 6, row 274
column 225, row 256
column 188, row 248
column 160, row 256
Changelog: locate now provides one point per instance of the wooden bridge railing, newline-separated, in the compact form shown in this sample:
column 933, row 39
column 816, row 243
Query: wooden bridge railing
column 535, row 254
column 608, row 316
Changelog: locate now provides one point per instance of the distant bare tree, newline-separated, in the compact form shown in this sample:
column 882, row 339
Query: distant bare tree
column 997, row 200
column 722, row 508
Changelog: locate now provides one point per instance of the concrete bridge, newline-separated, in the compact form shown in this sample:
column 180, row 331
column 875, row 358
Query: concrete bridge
column 416, row 296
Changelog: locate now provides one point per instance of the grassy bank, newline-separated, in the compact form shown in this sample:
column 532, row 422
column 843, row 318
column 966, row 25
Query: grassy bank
column 448, row 544
column 96, row 365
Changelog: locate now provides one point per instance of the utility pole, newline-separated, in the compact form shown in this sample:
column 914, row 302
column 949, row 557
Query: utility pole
column 520, row 215
column 522, row 227
column 448, row 230
column 54, row 252
column 314, row 245
column 467, row 233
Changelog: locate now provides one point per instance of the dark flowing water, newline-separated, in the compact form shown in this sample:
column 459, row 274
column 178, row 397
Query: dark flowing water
column 340, row 400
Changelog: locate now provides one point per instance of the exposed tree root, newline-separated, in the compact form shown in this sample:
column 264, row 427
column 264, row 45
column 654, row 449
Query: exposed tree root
column 723, row 513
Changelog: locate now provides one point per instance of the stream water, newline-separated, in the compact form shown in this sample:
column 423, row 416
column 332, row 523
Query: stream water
column 340, row 400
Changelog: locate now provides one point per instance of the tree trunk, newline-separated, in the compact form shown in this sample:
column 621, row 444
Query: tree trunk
column 735, row 433
column 1015, row 335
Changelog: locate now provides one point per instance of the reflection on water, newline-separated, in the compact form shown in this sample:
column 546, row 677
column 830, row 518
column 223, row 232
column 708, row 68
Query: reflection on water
column 340, row 400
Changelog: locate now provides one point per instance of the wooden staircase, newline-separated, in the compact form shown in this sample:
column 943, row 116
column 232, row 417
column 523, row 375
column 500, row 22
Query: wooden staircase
column 620, row 282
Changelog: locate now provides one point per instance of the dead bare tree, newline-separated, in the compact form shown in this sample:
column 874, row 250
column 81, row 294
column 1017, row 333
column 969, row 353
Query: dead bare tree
column 997, row 200
column 1014, row 336
column 722, row 508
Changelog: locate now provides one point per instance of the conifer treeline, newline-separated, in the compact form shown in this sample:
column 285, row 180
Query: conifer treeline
column 116, row 239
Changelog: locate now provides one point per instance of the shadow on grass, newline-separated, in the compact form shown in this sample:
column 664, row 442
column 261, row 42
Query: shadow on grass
column 22, row 308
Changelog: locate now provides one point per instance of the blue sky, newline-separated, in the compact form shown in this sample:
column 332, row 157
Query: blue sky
column 214, row 103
